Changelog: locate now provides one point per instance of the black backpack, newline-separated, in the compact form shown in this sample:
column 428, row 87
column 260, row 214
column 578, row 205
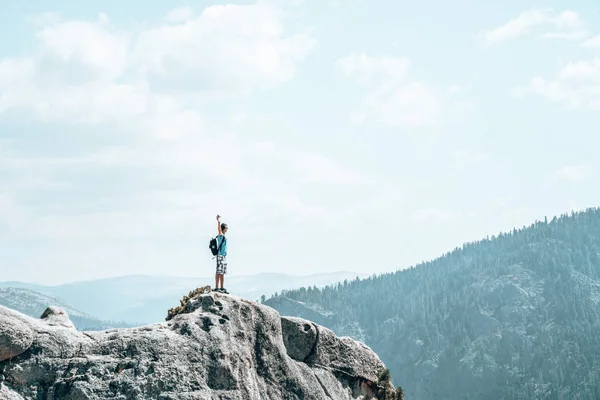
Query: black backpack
column 213, row 245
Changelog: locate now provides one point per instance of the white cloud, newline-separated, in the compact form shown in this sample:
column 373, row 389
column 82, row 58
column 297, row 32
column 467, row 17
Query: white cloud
column 94, row 44
column 226, row 47
column 565, row 35
column 593, row 42
column 15, row 70
column 92, row 71
column 569, row 24
column 233, row 48
column 393, row 98
column 180, row 14
column 576, row 85
column 574, row 172
column 517, row 26
column 581, row 70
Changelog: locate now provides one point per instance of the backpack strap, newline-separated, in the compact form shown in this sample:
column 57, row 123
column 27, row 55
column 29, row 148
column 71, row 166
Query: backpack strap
column 221, row 245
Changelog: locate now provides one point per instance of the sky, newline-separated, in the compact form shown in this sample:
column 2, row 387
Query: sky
column 331, row 135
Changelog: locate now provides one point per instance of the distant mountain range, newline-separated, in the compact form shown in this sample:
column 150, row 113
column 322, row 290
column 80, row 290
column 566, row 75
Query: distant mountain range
column 515, row 316
column 33, row 304
column 142, row 299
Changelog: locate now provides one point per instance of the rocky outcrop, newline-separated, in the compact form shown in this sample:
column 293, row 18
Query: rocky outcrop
column 56, row 316
column 16, row 336
column 215, row 347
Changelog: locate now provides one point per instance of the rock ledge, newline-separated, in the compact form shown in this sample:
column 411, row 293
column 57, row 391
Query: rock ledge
column 221, row 347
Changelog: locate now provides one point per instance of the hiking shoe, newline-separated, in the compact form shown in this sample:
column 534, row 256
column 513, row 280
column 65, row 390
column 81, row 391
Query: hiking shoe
column 224, row 291
column 217, row 290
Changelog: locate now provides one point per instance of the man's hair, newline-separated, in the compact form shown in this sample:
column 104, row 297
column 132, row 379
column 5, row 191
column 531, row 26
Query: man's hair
column 223, row 226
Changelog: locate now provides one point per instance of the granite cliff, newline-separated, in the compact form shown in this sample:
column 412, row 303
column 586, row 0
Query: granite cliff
column 214, row 347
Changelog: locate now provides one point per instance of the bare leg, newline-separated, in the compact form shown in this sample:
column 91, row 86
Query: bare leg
column 221, row 276
column 216, row 281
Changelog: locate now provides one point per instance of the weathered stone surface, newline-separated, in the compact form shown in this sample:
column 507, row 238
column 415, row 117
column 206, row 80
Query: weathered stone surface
column 221, row 347
column 15, row 334
column 299, row 337
column 345, row 354
column 7, row 394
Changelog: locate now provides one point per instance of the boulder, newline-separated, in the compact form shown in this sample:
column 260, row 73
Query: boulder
column 56, row 316
column 16, row 336
column 299, row 337
column 347, row 355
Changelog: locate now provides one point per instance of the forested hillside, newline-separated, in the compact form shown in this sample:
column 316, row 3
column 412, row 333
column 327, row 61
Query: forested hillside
column 516, row 316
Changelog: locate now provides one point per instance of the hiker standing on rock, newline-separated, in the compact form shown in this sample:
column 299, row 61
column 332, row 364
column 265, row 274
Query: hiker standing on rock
column 221, row 256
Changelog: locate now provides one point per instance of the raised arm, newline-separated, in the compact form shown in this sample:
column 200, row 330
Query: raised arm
column 219, row 225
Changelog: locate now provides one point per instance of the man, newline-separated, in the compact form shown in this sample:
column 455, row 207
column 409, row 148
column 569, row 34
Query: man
column 221, row 256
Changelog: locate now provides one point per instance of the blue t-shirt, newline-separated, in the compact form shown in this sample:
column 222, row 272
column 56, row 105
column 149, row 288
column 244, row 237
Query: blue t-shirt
column 223, row 251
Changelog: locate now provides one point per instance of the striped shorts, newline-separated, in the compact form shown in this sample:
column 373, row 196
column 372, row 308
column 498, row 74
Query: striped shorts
column 221, row 265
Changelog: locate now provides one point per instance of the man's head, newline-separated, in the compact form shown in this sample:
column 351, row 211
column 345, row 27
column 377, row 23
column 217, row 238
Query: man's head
column 224, row 227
